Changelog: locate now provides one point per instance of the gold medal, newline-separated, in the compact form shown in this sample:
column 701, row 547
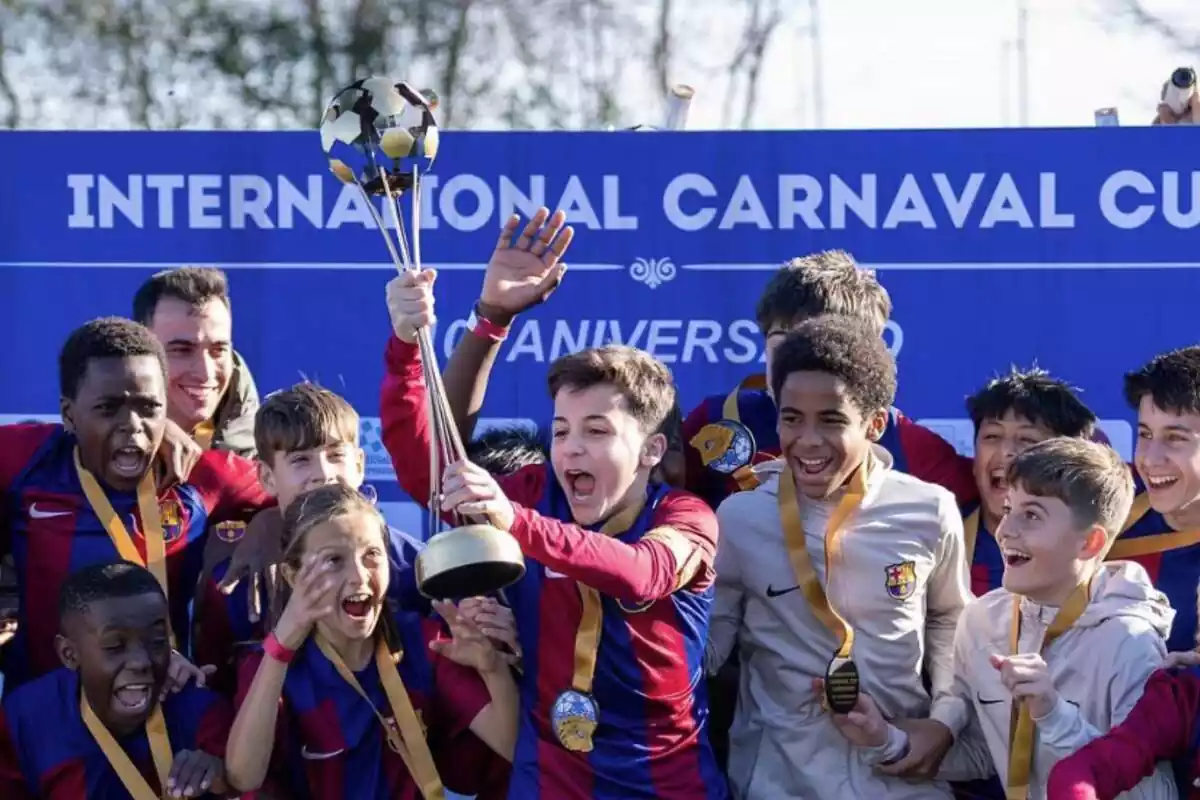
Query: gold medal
column 841, row 685
column 574, row 718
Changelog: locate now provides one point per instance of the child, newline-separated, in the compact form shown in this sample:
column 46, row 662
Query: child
column 94, row 727
column 305, row 436
column 609, row 700
column 1010, row 414
column 503, row 451
column 82, row 482
column 345, row 694
column 1070, row 640
column 898, row 579
column 1162, row 726
column 1163, row 531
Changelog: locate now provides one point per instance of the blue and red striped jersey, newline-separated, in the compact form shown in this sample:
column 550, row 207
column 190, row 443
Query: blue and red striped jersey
column 1174, row 571
column 987, row 563
column 914, row 449
column 329, row 745
column 652, row 705
column 52, row 531
column 47, row 752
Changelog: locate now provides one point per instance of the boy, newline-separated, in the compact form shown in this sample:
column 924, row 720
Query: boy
column 74, row 488
column 1069, row 639
column 829, row 282
column 505, row 450
column 94, row 728
column 898, row 580
column 1163, row 530
column 612, row 610
column 1011, row 414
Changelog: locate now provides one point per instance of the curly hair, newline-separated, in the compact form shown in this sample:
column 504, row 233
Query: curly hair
column 1171, row 380
column 845, row 348
column 107, row 337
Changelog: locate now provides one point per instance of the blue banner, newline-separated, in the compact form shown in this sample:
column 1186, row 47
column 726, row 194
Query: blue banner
column 1075, row 249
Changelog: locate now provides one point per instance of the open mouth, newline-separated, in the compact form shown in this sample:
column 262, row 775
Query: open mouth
column 197, row 393
column 1014, row 557
column 133, row 698
column 997, row 481
column 812, row 466
column 358, row 606
column 581, row 485
column 1161, row 482
column 129, row 461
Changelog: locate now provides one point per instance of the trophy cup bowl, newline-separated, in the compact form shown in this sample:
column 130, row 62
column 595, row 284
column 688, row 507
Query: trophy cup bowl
column 469, row 561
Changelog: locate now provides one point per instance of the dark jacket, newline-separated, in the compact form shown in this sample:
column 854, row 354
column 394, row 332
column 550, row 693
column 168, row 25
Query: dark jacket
column 234, row 421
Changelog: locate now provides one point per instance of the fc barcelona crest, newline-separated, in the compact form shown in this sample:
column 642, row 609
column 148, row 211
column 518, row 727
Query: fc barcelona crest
column 901, row 579
column 231, row 531
column 172, row 519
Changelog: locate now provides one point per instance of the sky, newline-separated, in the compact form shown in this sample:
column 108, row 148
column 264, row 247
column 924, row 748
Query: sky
column 951, row 63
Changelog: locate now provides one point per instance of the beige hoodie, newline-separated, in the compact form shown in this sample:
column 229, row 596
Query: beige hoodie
column 901, row 581
column 1099, row 667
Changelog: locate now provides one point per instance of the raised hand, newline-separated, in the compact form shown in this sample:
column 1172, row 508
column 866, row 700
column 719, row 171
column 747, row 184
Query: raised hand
column 195, row 773
column 180, row 671
column 410, row 303
column 311, row 599
column 495, row 621
column 523, row 273
column 471, row 491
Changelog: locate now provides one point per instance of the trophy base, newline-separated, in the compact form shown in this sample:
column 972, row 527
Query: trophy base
column 469, row 561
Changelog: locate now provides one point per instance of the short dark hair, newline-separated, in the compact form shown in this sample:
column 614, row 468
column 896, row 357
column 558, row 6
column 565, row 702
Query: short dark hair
column 1036, row 396
column 829, row 282
column 643, row 380
column 105, row 581
column 1091, row 479
column 1172, row 381
column 844, row 347
column 193, row 285
column 107, row 337
column 507, row 449
column 302, row 417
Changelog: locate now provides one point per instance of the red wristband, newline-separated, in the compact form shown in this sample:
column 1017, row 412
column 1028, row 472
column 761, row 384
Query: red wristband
column 484, row 328
column 275, row 649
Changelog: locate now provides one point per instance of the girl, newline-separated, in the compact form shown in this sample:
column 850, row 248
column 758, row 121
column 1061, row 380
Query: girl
column 346, row 700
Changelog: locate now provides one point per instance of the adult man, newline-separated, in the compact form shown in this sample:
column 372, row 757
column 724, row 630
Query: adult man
column 211, row 393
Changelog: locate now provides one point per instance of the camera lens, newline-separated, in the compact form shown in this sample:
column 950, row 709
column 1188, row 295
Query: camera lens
column 1184, row 77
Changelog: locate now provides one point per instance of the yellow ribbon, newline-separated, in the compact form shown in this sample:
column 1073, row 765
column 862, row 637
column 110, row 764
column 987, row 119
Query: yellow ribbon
column 1154, row 543
column 1021, row 724
column 794, row 538
column 406, row 737
column 132, row 778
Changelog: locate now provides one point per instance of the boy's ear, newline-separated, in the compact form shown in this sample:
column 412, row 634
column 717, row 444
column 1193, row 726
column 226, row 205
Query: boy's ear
column 360, row 466
column 267, row 478
column 877, row 423
column 653, row 450
column 1093, row 543
column 289, row 573
column 68, row 419
column 68, row 654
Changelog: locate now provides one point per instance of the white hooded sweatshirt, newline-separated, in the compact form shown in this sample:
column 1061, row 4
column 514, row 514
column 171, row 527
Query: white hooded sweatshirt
column 1099, row 667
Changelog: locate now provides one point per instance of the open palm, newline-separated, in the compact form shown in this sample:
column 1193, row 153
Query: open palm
column 524, row 273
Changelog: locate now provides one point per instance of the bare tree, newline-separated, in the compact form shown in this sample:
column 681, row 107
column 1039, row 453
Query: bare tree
column 1172, row 31
column 763, row 17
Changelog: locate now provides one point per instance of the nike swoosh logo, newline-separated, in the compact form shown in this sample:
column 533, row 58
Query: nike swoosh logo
column 552, row 574
column 983, row 702
column 308, row 755
column 37, row 513
column 772, row 592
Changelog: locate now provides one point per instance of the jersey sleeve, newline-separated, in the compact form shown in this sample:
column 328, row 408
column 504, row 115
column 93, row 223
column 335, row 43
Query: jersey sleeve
column 934, row 460
column 209, row 717
column 229, row 485
column 12, row 779
column 407, row 433
column 1159, row 727
column 213, row 640
column 459, row 696
column 678, row 552
column 278, row 781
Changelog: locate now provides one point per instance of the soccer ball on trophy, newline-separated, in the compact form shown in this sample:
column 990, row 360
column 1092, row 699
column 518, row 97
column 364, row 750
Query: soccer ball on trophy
column 377, row 132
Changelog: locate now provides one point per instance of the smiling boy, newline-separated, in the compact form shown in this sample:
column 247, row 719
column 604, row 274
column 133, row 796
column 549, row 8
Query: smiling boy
column 837, row 557
column 103, row 726
column 74, row 489
column 1163, row 530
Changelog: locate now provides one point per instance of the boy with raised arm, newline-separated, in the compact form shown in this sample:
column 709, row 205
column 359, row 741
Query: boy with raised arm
column 612, row 610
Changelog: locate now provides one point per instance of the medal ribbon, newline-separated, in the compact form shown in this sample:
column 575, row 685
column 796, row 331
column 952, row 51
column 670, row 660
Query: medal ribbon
column 587, row 636
column 152, row 527
column 1148, row 545
column 1021, row 725
column 794, row 538
column 118, row 759
column 406, row 738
